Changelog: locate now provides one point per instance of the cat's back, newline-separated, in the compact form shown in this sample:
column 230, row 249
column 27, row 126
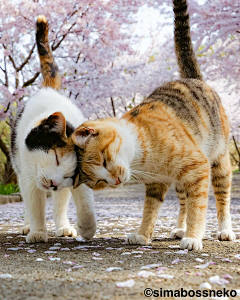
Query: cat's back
column 191, row 104
column 48, row 101
column 191, row 100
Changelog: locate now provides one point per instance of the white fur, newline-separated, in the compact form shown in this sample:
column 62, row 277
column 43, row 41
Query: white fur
column 32, row 166
column 130, row 148
column 137, row 239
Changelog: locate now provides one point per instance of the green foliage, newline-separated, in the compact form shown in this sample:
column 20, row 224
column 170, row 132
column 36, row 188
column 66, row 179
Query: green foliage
column 209, row 52
column 9, row 189
column 151, row 59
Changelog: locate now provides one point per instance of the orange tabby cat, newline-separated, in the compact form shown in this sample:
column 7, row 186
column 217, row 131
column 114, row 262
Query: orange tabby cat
column 179, row 135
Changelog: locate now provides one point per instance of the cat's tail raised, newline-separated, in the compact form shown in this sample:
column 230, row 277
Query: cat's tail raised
column 187, row 61
column 49, row 68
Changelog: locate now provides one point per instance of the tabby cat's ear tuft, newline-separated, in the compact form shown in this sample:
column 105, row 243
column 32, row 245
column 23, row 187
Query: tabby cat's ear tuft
column 82, row 135
column 55, row 123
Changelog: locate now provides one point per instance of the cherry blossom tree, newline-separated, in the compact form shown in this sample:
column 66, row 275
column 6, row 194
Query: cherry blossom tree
column 92, row 44
column 107, row 65
column 217, row 35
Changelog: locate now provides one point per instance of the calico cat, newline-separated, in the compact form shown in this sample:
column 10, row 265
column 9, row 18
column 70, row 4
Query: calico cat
column 179, row 135
column 44, row 157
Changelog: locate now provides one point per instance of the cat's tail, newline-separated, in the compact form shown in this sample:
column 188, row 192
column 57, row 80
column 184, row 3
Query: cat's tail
column 183, row 44
column 49, row 68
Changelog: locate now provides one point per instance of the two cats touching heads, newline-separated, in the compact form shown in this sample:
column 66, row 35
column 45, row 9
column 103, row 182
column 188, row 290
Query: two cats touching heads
column 178, row 135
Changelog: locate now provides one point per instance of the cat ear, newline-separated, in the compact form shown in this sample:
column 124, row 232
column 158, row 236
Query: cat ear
column 55, row 123
column 82, row 135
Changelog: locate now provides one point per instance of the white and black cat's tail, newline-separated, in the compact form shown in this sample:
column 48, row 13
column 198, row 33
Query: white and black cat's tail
column 187, row 61
column 49, row 68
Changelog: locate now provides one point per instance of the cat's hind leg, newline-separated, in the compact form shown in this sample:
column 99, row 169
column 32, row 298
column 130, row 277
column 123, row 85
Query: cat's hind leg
column 221, row 182
column 194, row 176
column 154, row 198
column 60, row 207
column 179, row 232
column 86, row 219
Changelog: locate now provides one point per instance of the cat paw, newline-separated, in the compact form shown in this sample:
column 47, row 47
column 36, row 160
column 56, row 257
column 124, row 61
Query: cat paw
column 226, row 235
column 66, row 231
column 25, row 229
column 191, row 244
column 37, row 237
column 87, row 232
column 137, row 239
column 177, row 233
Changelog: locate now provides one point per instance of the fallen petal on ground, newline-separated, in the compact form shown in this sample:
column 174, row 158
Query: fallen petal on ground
column 5, row 276
column 217, row 280
column 205, row 285
column 166, row 276
column 128, row 283
column 145, row 274
column 111, row 269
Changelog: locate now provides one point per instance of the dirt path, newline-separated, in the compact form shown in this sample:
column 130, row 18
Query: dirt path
column 79, row 270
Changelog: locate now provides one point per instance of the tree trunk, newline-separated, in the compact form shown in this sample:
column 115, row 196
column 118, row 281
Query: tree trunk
column 113, row 107
column 9, row 174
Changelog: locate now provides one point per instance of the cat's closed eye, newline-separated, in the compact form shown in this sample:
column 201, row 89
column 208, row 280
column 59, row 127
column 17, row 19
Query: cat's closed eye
column 57, row 158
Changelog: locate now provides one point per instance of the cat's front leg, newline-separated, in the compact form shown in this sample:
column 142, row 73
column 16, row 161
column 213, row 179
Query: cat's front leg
column 155, row 195
column 24, row 192
column 86, row 219
column 60, row 207
column 196, row 184
column 36, row 201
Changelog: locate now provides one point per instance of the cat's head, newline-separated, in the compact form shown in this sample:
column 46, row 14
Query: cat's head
column 103, row 154
column 51, row 153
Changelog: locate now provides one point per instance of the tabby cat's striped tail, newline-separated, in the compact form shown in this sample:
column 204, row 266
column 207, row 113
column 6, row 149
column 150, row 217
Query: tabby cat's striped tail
column 183, row 44
column 49, row 68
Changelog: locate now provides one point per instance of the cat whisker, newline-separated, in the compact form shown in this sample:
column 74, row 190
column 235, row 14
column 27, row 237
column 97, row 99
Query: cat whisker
column 149, row 177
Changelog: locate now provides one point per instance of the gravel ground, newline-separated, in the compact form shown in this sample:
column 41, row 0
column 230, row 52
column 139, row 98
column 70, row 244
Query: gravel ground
column 78, row 269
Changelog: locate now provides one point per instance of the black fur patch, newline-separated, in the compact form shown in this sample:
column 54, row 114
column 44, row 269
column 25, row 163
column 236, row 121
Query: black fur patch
column 181, row 8
column 41, row 49
column 40, row 35
column 44, row 137
column 69, row 129
column 54, row 69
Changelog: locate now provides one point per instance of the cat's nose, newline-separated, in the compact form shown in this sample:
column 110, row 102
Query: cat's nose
column 118, row 181
column 54, row 184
